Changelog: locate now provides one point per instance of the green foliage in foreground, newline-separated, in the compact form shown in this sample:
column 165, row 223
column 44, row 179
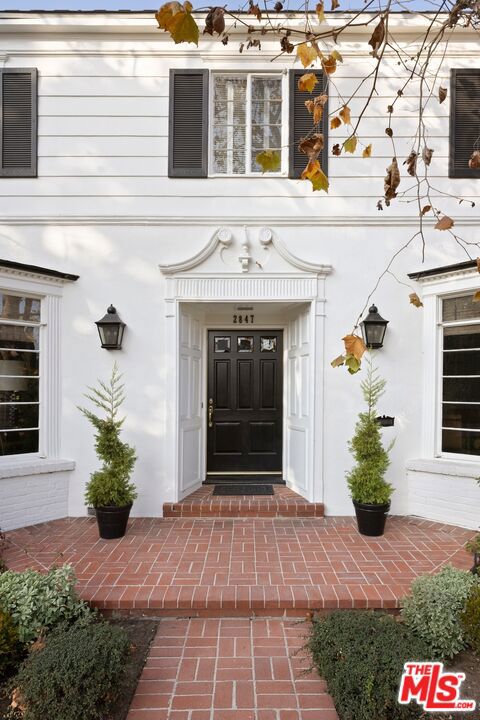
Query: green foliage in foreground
column 434, row 608
column 111, row 484
column 470, row 620
column 75, row 675
column 11, row 649
column 361, row 655
column 37, row 602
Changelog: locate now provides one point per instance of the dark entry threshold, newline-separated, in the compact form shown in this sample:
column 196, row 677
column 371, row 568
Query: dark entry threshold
column 247, row 489
column 244, row 480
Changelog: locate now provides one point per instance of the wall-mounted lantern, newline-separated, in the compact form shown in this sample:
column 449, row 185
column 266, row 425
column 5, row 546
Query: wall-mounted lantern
column 111, row 329
column 385, row 421
column 373, row 328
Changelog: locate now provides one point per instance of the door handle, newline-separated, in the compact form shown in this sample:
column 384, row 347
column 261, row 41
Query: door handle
column 210, row 413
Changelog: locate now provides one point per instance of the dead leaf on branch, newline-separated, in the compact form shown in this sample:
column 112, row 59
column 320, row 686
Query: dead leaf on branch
column 367, row 152
column 286, row 45
column 445, row 223
column 427, row 155
column 350, row 144
column 377, row 38
column 415, row 300
column 269, row 160
column 320, row 12
column 315, row 174
column 345, row 114
column 306, row 54
column 442, row 94
column 254, row 10
column 354, row 345
column 474, row 160
column 215, row 21
column 340, row 360
column 335, row 122
column 336, row 150
column 478, row 264
column 311, row 146
column 426, row 209
column 329, row 64
column 178, row 21
column 391, row 182
column 278, row 7
column 389, row 132
column 307, row 82
column 336, row 56
column 411, row 163
column 352, row 364
column 335, row 5
column 315, row 107
column 476, row 297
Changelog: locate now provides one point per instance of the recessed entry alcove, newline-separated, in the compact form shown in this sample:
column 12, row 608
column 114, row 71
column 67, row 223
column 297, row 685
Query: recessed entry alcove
column 245, row 318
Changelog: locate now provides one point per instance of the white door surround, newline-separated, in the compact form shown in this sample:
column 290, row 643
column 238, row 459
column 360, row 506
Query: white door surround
column 240, row 271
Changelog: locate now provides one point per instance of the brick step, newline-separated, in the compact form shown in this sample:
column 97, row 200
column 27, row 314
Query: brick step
column 242, row 600
column 284, row 503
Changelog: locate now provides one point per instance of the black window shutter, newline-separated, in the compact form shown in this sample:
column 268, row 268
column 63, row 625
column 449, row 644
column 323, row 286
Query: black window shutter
column 188, row 124
column 18, row 122
column 464, row 121
column 301, row 123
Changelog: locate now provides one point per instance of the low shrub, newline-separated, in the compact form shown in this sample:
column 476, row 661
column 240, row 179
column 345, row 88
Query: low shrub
column 470, row 619
column 361, row 655
column 74, row 675
column 37, row 602
column 3, row 545
column 434, row 608
column 11, row 649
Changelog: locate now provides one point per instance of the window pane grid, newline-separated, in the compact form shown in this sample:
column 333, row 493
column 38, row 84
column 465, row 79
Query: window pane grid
column 247, row 118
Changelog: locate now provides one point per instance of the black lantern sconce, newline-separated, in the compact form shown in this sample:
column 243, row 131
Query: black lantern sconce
column 373, row 328
column 111, row 329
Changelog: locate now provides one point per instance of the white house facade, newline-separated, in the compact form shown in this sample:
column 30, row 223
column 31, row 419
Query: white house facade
column 228, row 281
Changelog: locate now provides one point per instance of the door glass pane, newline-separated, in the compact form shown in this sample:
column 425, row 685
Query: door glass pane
column 245, row 343
column 268, row 344
column 222, row 344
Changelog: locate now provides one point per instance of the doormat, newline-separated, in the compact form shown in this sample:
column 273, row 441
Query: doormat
column 243, row 490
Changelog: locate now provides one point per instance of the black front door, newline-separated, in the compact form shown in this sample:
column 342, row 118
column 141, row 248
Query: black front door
column 244, row 401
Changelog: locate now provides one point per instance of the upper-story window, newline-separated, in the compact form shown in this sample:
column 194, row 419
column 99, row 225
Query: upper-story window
column 220, row 121
column 461, row 375
column 246, row 119
column 18, row 118
column 19, row 373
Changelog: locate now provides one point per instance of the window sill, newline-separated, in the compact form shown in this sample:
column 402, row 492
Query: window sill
column 444, row 466
column 37, row 466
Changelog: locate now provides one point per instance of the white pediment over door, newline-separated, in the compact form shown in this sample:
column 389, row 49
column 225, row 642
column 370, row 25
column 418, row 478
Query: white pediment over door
column 245, row 262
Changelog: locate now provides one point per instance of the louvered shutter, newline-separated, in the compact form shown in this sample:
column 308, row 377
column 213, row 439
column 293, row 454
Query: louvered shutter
column 301, row 123
column 18, row 118
column 464, row 121
column 188, row 124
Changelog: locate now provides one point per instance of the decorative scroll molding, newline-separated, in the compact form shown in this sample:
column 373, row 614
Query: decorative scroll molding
column 246, row 258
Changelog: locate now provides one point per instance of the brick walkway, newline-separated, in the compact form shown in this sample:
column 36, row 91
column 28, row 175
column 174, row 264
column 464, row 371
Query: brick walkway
column 284, row 503
column 230, row 669
column 244, row 566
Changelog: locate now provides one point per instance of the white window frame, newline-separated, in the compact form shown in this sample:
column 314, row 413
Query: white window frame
column 283, row 172
column 435, row 290
column 49, row 292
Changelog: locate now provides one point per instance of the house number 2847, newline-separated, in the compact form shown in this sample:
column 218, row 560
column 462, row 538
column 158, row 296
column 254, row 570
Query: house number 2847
column 240, row 319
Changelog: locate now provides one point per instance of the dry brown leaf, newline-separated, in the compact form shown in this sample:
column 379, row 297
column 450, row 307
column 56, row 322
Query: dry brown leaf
column 18, row 703
column 335, row 122
column 336, row 150
column 340, row 360
column 476, row 297
column 415, row 300
column 350, row 144
column 336, row 56
column 215, row 21
column 411, row 163
column 306, row 54
column 286, row 45
column 317, row 177
column 427, row 155
column 442, row 94
column 255, row 10
column 474, row 160
column 354, row 345
column 320, row 12
column 329, row 64
column 345, row 114
column 426, row 209
column 377, row 37
column 311, row 146
column 335, row 5
column 166, row 12
column 391, row 182
column 315, row 107
column 307, row 82
column 445, row 223
column 367, row 152
column 478, row 264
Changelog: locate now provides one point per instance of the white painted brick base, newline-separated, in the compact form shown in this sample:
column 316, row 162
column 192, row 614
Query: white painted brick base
column 444, row 491
column 32, row 499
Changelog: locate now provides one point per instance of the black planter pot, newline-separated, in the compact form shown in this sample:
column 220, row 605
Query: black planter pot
column 112, row 521
column 371, row 519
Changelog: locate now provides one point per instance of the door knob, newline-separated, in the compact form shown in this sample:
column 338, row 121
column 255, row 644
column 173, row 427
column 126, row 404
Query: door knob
column 210, row 413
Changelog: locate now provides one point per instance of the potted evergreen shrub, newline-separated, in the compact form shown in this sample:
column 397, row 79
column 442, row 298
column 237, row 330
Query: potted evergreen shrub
column 368, row 488
column 109, row 490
